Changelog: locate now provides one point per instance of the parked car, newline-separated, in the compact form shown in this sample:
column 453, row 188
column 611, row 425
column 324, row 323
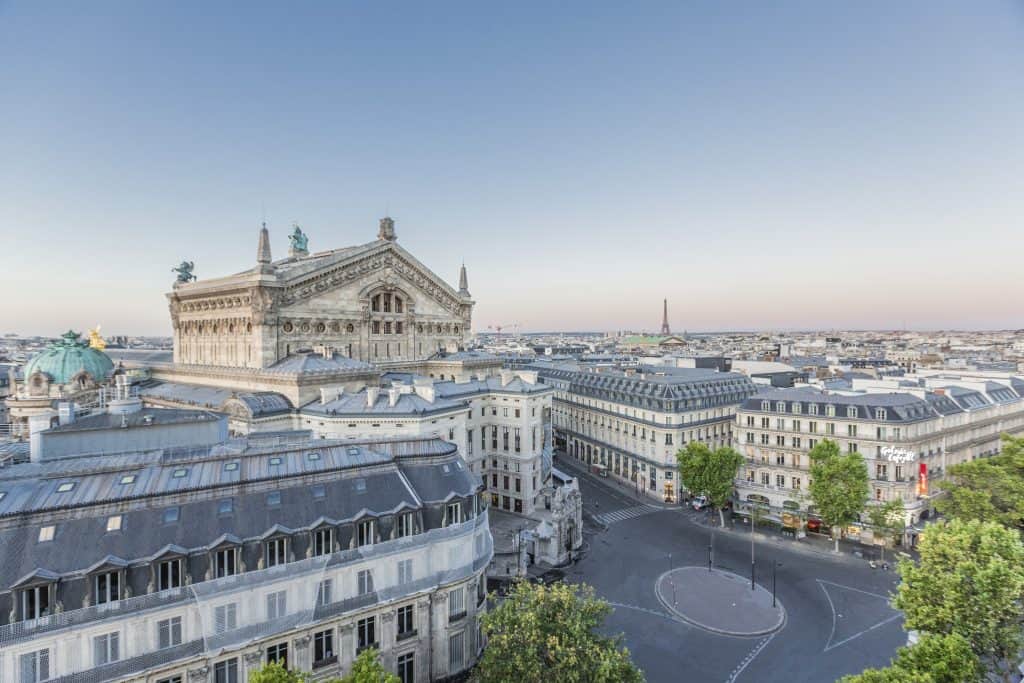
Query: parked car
column 814, row 525
column 700, row 502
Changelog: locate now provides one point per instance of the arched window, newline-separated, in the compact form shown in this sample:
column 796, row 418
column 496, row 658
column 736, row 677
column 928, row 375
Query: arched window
column 398, row 304
column 375, row 303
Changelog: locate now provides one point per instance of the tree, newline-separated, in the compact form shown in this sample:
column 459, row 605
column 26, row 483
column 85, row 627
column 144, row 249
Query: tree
column 988, row 489
column 934, row 659
column 551, row 633
column 839, row 485
column 368, row 669
column 969, row 582
column 889, row 521
column 273, row 672
column 710, row 473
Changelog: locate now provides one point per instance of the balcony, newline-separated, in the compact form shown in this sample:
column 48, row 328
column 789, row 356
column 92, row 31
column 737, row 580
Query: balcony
column 375, row 645
column 326, row 661
column 406, row 635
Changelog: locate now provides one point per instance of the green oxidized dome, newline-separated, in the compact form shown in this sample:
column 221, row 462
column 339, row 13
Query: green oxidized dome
column 68, row 357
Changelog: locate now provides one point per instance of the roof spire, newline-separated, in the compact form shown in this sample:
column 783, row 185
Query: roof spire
column 263, row 250
column 463, row 281
column 664, row 320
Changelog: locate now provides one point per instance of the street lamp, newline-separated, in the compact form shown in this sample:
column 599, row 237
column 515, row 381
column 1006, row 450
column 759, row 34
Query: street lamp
column 753, row 518
column 711, row 550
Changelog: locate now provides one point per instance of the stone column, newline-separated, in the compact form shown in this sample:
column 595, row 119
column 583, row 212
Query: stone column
column 346, row 646
column 253, row 661
column 303, row 658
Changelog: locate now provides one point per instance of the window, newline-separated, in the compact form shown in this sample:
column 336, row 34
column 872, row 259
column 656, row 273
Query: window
column 225, row 506
column 35, row 602
column 455, row 642
column 276, row 552
column 403, row 525
column 851, row 447
column 323, row 646
column 366, row 633
column 225, row 617
column 277, row 605
column 168, row 575
column 273, row 498
column 764, row 478
column 456, row 604
column 226, row 672
column 46, row 533
column 172, row 679
column 830, row 428
column 323, row 541
column 780, row 459
column 780, row 440
column 108, row 587
column 171, row 515
column 323, row 592
column 168, row 632
column 127, row 479
column 319, row 492
column 881, row 471
column 406, row 623
column 224, row 562
column 230, row 466
column 180, row 473
column 796, row 483
column 114, row 523
column 66, row 487
column 365, row 582
column 453, row 512
column 796, row 442
column 812, row 427
column 851, row 430
column 404, row 572
column 780, row 480
column 278, row 653
column 364, row 533
column 407, row 668
column 105, row 649
column 35, row 666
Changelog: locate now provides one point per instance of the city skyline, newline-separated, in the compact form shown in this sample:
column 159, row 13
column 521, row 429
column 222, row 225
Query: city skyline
column 782, row 168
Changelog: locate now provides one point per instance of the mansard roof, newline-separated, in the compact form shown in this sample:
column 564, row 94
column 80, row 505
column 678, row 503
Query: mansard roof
column 890, row 407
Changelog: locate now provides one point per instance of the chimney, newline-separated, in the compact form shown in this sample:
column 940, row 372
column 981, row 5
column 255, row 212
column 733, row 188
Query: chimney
column 393, row 393
column 507, row 376
column 371, row 396
column 66, row 412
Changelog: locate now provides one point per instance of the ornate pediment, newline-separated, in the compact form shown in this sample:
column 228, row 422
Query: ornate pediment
column 393, row 265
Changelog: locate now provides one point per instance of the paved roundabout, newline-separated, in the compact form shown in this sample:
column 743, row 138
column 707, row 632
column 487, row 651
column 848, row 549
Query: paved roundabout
column 719, row 601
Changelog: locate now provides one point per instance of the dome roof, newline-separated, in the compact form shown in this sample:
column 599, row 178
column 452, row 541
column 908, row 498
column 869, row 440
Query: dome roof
column 68, row 357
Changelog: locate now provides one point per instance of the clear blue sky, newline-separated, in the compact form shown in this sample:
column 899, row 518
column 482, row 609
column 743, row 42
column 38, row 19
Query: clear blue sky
column 763, row 165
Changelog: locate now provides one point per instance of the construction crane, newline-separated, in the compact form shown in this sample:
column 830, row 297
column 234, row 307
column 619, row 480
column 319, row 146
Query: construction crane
column 498, row 328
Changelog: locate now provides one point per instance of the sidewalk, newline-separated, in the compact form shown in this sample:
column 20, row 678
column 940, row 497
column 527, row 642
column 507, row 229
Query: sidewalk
column 570, row 465
column 816, row 544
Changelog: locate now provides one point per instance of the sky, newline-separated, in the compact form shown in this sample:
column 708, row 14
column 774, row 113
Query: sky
column 763, row 166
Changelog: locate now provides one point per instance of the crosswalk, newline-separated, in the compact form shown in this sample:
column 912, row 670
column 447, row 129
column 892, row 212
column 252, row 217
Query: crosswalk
column 609, row 518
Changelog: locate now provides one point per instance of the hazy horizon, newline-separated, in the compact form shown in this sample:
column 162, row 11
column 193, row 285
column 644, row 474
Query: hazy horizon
column 780, row 167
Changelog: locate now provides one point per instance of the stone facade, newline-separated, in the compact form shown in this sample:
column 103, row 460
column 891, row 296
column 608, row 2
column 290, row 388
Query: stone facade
column 373, row 302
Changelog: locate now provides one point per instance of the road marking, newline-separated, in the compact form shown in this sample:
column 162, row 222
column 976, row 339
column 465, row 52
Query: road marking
column 829, row 645
column 749, row 658
column 609, row 518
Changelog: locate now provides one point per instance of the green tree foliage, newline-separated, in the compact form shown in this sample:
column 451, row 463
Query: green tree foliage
column 934, row 659
column 368, row 669
column 540, row 634
column 273, row 672
column 969, row 582
column 988, row 489
column 709, row 472
column 839, row 485
column 889, row 521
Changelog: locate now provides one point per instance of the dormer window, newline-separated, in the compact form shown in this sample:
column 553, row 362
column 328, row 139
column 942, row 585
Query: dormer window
column 323, row 541
column 107, row 587
column 35, row 601
column 276, row 551
column 880, row 414
column 851, row 412
column 766, row 405
column 46, row 533
column 171, row 515
column 225, row 562
column 780, row 406
column 453, row 514
column 168, row 574
column 365, row 532
column 114, row 523
column 403, row 525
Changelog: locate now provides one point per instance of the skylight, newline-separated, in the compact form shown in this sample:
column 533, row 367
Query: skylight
column 66, row 486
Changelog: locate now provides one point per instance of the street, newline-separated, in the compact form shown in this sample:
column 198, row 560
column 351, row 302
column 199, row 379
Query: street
column 837, row 617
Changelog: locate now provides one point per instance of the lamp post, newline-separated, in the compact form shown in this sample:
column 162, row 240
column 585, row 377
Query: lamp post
column 753, row 517
column 711, row 550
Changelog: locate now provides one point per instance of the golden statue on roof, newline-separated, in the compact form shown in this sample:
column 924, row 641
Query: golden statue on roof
column 95, row 340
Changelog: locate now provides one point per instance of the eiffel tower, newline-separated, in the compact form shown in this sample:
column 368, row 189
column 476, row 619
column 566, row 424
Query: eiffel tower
column 664, row 321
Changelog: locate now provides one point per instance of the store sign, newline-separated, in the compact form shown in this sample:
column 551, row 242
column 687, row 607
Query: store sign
column 922, row 480
column 898, row 455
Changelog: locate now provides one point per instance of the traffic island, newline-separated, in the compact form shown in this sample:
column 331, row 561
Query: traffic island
column 719, row 601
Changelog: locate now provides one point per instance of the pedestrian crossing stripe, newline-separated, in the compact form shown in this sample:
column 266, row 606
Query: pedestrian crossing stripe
column 608, row 518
